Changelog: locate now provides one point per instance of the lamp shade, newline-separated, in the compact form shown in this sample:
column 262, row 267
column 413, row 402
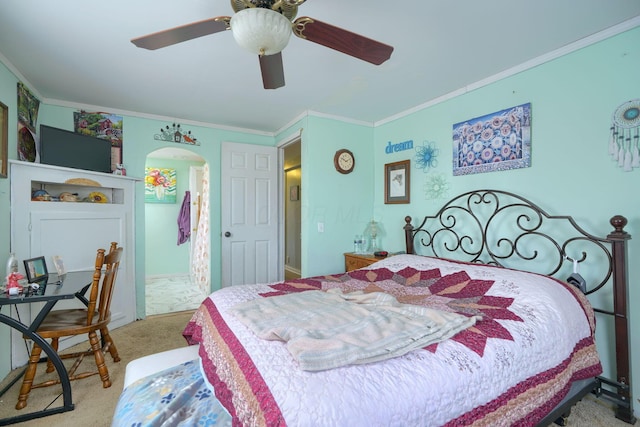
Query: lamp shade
column 261, row 31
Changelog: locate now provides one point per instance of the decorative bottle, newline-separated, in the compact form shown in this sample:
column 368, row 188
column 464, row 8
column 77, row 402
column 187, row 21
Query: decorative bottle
column 12, row 264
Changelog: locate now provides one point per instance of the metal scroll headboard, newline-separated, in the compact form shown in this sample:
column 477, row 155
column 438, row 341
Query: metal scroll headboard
column 501, row 228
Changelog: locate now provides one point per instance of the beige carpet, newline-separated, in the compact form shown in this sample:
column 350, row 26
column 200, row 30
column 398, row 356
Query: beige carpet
column 95, row 405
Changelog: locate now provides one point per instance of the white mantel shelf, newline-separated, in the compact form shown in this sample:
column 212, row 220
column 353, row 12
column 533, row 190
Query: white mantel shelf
column 84, row 173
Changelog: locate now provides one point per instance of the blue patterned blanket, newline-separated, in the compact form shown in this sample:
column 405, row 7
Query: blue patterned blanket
column 177, row 396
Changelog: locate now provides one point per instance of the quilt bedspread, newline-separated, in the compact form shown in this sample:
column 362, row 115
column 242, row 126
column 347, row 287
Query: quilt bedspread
column 511, row 368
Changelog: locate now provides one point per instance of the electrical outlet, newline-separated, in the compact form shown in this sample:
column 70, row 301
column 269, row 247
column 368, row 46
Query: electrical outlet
column 321, row 227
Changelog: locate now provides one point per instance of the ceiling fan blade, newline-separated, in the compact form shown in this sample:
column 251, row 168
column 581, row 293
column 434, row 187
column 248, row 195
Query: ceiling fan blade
column 342, row 40
column 272, row 71
column 183, row 33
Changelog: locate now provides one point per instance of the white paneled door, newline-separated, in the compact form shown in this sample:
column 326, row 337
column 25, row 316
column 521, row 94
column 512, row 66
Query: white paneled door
column 249, row 223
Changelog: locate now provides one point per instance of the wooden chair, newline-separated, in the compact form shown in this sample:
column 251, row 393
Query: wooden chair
column 64, row 323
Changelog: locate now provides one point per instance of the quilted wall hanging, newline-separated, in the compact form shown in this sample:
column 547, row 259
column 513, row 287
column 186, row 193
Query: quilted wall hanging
column 494, row 142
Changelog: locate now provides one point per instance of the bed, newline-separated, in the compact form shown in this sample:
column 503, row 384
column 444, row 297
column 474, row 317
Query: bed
column 503, row 346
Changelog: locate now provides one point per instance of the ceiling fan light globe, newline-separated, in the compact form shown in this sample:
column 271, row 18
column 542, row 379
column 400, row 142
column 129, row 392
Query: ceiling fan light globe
column 261, row 31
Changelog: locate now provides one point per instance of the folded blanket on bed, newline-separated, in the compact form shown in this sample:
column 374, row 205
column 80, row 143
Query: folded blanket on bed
column 325, row 330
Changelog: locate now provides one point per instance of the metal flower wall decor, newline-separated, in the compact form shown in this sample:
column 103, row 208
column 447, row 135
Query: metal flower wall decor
column 436, row 186
column 426, row 156
column 176, row 133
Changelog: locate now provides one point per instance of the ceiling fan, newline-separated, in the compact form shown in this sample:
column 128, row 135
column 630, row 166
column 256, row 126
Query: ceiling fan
column 264, row 27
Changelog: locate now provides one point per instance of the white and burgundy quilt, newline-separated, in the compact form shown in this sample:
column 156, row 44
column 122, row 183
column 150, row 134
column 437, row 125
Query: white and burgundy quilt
column 512, row 367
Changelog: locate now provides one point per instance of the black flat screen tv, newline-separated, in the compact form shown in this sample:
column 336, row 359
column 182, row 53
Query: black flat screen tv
column 61, row 147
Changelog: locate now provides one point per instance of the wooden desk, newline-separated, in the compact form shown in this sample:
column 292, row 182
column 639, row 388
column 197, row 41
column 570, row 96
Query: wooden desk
column 30, row 332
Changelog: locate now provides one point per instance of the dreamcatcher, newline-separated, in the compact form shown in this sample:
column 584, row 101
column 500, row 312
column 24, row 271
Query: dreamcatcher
column 624, row 144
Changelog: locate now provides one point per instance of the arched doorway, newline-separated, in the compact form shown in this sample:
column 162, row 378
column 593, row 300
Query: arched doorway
column 169, row 285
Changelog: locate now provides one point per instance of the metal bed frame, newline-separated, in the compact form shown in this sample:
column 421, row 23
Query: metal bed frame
column 501, row 228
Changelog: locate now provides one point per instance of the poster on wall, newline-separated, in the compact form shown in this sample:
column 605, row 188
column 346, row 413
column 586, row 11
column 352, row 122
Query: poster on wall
column 104, row 126
column 494, row 142
column 159, row 185
column 28, row 107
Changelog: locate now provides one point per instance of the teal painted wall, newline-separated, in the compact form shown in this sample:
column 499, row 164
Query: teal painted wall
column 342, row 203
column 161, row 226
column 138, row 142
column 572, row 100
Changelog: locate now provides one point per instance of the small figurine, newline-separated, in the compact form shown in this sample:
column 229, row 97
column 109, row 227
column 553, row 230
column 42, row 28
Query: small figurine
column 68, row 197
column 40, row 196
column 96, row 197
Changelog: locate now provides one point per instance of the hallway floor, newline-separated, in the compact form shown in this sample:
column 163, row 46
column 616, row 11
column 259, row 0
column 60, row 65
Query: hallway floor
column 290, row 275
column 169, row 294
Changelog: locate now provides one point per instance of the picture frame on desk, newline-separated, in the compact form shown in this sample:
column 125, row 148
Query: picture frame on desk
column 59, row 264
column 36, row 269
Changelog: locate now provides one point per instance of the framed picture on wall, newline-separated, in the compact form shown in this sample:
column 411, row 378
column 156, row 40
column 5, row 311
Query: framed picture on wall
column 160, row 185
column 493, row 142
column 397, row 182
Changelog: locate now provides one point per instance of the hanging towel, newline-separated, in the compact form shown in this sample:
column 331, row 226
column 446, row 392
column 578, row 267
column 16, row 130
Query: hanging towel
column 184, row 219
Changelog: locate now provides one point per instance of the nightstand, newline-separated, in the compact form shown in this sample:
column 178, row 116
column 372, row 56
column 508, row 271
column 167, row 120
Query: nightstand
column 353, row 261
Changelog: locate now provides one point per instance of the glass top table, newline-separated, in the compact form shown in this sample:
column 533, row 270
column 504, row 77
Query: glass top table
column 29, row 331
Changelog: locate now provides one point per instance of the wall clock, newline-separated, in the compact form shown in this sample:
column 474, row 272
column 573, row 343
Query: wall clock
column 344, row 161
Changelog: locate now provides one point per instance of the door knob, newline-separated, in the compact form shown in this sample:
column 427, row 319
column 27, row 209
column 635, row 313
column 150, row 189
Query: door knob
column 227, row 234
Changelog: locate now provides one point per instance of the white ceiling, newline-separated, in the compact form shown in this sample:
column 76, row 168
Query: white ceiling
column 78, row 53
